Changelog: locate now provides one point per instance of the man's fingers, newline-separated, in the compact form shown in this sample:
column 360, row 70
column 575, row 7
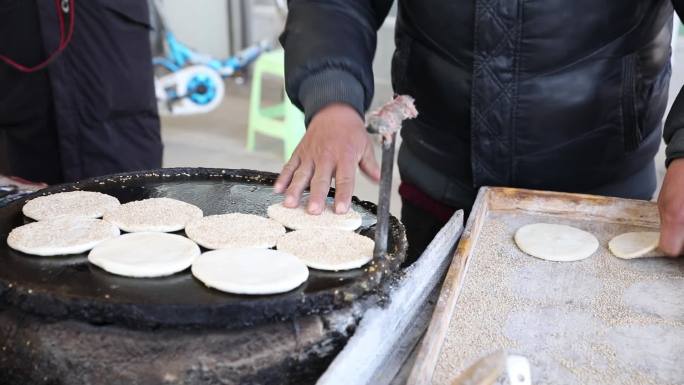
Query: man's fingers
column 299, row 183
column 344, row 186
column 671, row 238
column 286, row 174
column 369, row 165
column 320, row 185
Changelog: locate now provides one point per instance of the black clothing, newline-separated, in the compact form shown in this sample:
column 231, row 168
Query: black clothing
column 557, row 96
column 421, row 229
column 93, row 110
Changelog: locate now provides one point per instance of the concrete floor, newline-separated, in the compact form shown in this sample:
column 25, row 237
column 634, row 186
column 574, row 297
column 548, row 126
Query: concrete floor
column 217, row 139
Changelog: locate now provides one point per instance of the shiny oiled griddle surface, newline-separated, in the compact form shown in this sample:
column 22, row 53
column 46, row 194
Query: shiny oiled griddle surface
column 70, row 287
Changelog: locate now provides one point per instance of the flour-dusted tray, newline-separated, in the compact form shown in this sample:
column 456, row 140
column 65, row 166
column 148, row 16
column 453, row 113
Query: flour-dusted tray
column 602, row 320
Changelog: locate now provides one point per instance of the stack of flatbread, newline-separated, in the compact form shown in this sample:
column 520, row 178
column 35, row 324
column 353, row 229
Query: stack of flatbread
column 240, row 260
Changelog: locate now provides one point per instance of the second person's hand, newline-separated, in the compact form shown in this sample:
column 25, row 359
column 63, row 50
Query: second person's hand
column 335, row 143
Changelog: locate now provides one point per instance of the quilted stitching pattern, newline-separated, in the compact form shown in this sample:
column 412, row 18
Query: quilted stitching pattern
column 494, row 87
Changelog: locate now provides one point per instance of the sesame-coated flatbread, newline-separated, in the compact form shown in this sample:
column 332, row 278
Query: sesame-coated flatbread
column 61, row 236
column 235, row 230
column 89, row 204
column 328, row 249
column 154, row 214
column 298, row 218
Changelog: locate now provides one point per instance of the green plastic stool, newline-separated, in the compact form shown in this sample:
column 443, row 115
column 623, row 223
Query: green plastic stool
column 283, row 120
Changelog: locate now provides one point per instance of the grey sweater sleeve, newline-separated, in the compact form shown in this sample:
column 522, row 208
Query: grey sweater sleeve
column 329, row 49
column 673, row 134
column 675, row 147
column 674, row 130
column 330, row 86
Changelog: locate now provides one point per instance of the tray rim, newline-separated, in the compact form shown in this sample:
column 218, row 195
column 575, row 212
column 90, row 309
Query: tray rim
column 570, row 205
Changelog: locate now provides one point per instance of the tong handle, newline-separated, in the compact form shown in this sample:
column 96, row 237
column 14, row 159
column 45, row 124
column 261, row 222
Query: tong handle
column 386, row 171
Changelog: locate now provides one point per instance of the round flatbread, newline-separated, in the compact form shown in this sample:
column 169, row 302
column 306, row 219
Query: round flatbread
column 328, row 249
column 634, row 244
column 554, row 242
column 234, row 231
column 61, row 236
column 299, row 218
column 145, row 255
column 250, row 271
column 89, row 204
column 154, row 214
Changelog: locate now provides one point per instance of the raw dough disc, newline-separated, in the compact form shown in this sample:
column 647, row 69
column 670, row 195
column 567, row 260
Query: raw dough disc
column 234, row 230
column 328, row 249
column 89, row 204
column 634, row 245
column 250, row 271
column 554, row 242
column 154, row 214
column 145, row 255
column 299, row 218
column 61, row 236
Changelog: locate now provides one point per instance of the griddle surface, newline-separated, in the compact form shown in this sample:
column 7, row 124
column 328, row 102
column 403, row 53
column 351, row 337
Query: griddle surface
column 70, row 287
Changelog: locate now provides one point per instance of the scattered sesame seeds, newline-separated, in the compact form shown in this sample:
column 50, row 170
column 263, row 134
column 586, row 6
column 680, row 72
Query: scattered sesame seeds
column 569, row 339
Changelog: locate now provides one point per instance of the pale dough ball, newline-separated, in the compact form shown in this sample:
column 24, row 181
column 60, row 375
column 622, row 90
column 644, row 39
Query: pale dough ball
column 234, row 230
column 554, row 242
column 89, row 204
column 634, row 244
column 61, row 236
column 299, row 218
column 250, row 271
column 145, row 255
column 154, row 214
column 328, row 249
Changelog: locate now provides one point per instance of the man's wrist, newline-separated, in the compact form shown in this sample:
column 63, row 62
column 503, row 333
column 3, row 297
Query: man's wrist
column 328, row 87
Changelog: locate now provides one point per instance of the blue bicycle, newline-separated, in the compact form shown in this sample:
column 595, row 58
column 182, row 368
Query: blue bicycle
column 188, row 82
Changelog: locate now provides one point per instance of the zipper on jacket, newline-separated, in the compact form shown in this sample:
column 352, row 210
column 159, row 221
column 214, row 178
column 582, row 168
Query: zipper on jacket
column 630, row 121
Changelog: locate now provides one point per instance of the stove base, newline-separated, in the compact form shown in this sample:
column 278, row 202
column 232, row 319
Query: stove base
column 37, row 351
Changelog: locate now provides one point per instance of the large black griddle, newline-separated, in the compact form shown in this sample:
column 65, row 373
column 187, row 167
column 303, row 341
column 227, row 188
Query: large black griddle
column 71, row 288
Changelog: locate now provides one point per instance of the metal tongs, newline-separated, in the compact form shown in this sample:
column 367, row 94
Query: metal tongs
column 386, row 122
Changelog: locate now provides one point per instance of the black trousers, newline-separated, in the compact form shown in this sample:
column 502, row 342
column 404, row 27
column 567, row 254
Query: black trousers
column 421, row 228
column 92, row 111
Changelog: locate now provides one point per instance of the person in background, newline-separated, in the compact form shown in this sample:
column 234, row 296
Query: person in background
column 565, row 96
column 76, row 104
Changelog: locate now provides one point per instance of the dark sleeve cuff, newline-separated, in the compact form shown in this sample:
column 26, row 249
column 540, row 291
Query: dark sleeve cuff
column 330, row 86
column 675, row 147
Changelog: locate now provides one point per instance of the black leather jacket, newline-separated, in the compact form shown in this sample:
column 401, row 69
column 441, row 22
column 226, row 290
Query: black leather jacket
column 553, row 95
column 93, row 110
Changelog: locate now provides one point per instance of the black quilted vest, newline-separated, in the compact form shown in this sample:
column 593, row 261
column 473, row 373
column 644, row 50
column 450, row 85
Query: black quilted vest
column 561, row 95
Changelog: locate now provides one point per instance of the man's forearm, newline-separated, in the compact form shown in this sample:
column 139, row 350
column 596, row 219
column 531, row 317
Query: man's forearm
column 329, row 49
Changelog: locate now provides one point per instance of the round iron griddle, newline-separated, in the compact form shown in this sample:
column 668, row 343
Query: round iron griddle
column 70, row 288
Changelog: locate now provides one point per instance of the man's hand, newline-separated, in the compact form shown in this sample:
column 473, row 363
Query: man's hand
column 335, row 143
column 671, row 207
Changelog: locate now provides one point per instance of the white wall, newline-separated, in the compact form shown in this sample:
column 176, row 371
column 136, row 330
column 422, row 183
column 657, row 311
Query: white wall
column 201, row 24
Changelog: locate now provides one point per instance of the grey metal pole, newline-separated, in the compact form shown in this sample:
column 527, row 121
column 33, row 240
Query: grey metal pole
column 386, row 171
